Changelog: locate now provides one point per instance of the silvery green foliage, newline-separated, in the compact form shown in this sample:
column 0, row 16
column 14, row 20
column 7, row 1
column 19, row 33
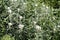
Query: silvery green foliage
column 30, row 19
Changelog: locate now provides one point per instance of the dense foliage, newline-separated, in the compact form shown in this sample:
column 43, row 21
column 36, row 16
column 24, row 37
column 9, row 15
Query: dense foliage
column 29, row 19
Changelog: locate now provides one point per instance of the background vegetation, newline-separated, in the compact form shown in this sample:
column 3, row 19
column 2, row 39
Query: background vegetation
column 29, row 19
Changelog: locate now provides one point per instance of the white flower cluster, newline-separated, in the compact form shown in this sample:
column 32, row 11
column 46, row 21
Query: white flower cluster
column 38, row 27
column 20, row 17
column 58, row 25
column 18, row 9
column 54, row 29
column 9, row 24
column 8, row 7
column 34, row 22
column 21, row 26
column 9, row 10
column 24, row 3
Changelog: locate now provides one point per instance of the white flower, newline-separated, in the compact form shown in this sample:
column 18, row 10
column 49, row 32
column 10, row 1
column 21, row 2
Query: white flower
column 54, row 29
column 52, row 9
column 36, row 5
column 43, row 23
column 20, row 17
column 47, row 7
column 38, row 27
column 9, row 11
column 21, row 26
column 13, row 13
column 9, row 24
column 34, row 22
column 58, row 25
column 8, row 8
column 18, row 9
column 24, row 3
